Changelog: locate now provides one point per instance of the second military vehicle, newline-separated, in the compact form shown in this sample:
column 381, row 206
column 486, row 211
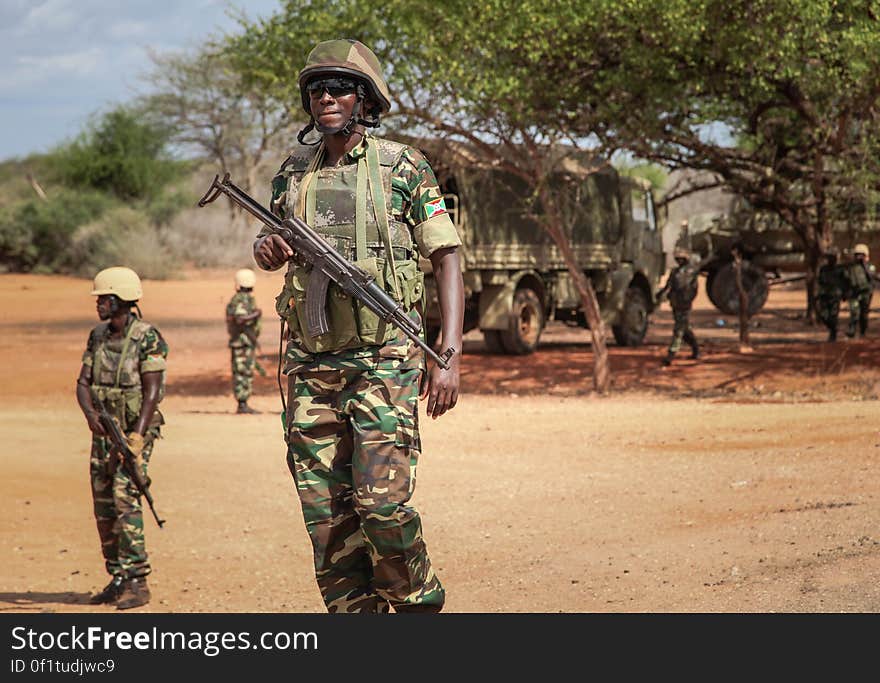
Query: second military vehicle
column 514, row 274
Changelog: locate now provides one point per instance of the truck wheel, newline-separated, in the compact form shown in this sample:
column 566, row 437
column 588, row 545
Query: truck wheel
column 724, row 295
column 633, row 319
column 492, row 340
column 526, row 323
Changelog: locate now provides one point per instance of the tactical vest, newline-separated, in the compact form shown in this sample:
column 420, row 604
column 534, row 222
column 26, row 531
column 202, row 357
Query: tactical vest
column 116, row 377
column 349, row 206
column 859, row 279
column 831, row 282
column 684, row 287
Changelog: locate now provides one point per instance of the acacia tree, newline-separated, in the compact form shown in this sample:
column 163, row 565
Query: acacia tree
column 210, row 108
column 795, row 82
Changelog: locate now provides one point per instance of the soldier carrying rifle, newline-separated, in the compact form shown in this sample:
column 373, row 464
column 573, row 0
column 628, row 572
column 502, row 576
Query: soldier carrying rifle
column 122, row 375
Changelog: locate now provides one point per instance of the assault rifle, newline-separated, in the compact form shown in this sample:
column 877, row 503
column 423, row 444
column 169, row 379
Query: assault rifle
column 119, row 448
column 327, row 265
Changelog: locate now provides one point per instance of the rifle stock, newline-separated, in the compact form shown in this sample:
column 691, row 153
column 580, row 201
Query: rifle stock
column 327, row 265
column 119, row 446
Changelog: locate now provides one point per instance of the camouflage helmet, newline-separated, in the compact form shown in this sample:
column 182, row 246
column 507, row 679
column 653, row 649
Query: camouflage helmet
column 119, row 281
column 861, row 249
column 245, row 278
column 345, row 57
column 681, row 252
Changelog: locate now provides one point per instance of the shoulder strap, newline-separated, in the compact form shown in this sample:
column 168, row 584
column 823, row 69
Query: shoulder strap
column 381, row 210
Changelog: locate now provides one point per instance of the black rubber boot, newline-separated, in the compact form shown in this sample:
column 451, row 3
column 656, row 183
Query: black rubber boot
column 110, row 594
column 135, row 593
column 668, row 359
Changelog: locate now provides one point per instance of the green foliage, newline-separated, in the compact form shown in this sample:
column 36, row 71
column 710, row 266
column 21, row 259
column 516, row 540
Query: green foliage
column 654, row 174
column 122, row 153
column 35, row 234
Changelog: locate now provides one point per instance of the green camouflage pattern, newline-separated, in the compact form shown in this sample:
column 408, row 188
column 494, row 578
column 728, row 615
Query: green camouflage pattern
column 117, row 505
column 416, row 216
column 345, row 56
column 243, row 339
column 353, row 447
column 860, row 276
column 681, row 287
column 244, row 360
column 681, row 330
column 118, row 510
column 859, row 308
column 832, row 287
column 352, row 421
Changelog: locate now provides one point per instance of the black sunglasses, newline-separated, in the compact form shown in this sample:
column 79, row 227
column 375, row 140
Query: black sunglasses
column 335, row 86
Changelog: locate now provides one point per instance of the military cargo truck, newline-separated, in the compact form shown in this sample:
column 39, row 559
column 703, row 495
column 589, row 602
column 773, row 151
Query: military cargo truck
column 515, row 277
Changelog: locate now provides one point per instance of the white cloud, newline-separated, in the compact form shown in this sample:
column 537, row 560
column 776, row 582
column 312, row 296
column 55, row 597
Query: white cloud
column 122, row 30
column 50, row 16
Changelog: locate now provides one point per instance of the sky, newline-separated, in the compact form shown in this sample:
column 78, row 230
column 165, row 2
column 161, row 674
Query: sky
column 63, row 60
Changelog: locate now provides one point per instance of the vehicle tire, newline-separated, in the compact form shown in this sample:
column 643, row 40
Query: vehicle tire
column 492, row 340
column 633, row 318
column 526, row 323
column 724, row 295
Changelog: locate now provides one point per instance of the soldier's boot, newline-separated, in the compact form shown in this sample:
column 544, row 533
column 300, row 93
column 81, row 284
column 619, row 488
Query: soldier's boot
column 135, row 593
column 245, row 409
column 695, row 351
column 668, row 359
column 832, row 334
column 110, row 594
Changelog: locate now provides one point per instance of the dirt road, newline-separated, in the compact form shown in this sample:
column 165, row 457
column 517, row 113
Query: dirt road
column 742, row 483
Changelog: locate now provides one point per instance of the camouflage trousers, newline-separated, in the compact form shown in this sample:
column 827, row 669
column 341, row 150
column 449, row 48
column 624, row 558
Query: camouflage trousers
column 118, row 511
column 859, row 306
column 243, row 360
column 681, row 330
column 828, row 310
column 353, row 446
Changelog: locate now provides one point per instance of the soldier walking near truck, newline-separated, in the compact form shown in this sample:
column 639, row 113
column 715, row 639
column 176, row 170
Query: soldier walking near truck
column 860, row 278
column 832, row 284
column 681, row 289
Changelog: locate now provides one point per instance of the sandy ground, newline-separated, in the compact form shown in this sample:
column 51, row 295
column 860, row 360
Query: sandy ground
column 739, row 483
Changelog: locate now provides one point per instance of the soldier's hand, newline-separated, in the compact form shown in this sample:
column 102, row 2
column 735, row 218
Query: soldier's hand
column 95, row 426
column 440, row 387
column 272, row 252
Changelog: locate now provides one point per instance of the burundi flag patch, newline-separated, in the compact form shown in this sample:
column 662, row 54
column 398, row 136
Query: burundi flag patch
column 435, row 207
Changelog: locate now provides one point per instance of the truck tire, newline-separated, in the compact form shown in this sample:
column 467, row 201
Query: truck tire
column 492, row 340
column 724, row 295
column 526, row 323
column 633, row 318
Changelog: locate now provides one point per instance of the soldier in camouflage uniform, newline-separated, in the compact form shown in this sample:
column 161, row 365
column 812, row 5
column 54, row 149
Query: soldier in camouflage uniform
column 681, row 288
column 352, row 420
column 243, row 325
column 860, row 278
column 124, row 367
column 832, row 283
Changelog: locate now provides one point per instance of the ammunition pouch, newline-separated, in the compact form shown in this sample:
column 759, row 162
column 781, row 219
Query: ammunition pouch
column 352, row 324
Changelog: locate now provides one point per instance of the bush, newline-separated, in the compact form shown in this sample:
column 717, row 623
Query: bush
column 122, row 153
column 126, row 237
column 35, row 234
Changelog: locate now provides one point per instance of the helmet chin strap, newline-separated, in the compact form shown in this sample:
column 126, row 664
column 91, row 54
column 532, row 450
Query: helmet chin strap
column 346, row 129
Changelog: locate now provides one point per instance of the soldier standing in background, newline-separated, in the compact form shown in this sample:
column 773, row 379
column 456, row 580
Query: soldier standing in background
column 243, row 325
column 681, row 288
column 832, row 283
column 860, row 277
column 352, row 421
column 123, row 367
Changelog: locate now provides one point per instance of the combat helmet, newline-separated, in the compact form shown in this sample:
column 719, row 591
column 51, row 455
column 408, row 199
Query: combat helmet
column 119, row 281
column 346, row 57
column 245, row 278
column 861, row 249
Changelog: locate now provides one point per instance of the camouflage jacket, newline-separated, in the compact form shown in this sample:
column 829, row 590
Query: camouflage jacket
column 681, row 286
column 860, row 278
column 416, row 214
column 832, row 282
column 117, row 365
column 242, row 335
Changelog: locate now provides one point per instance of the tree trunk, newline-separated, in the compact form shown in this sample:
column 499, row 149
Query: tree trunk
column 553, row 226
column 744, row 345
